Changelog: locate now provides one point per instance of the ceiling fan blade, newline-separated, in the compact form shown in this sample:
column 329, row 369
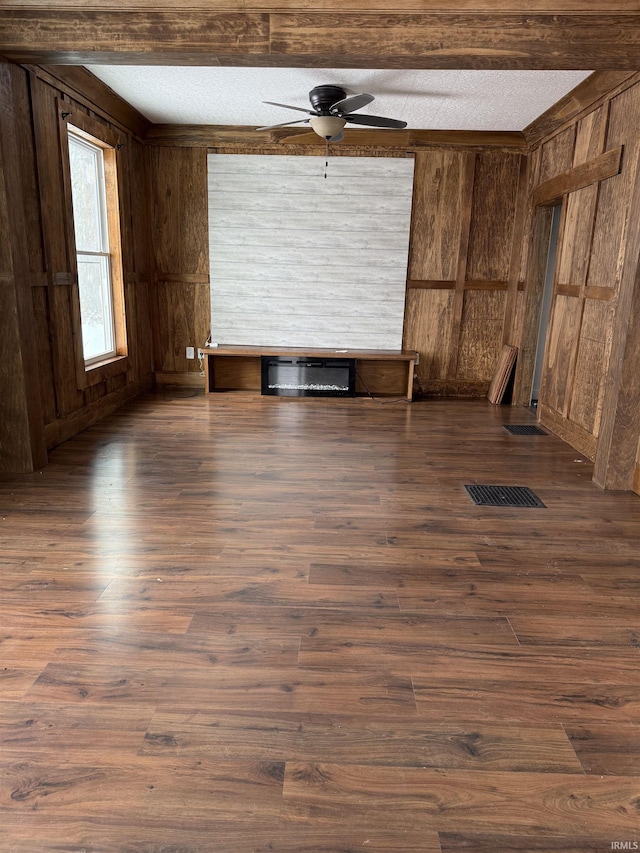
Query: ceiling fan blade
column 375, row 121
column 348, row 105
column 289, row 107
column 338, row 137
column 284, row 124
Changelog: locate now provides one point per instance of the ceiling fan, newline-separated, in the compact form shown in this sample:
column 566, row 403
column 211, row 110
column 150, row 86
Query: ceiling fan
column 332, row 109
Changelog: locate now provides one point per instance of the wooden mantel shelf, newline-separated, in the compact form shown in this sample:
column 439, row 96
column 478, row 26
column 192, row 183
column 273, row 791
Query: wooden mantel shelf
column 250, row 356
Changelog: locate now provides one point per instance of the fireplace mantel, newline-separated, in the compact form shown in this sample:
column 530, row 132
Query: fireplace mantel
column 229, row 367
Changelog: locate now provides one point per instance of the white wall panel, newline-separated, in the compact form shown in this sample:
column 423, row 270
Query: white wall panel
column 300, row 260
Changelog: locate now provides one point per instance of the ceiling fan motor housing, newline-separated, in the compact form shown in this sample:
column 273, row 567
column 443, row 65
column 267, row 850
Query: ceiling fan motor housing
column 323, row 97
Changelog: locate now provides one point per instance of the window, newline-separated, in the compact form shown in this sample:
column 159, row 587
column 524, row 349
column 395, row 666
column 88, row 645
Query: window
column 95, row 225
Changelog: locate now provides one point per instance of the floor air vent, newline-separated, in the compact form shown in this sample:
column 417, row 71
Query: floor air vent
column 524, row 429
column 503, row 496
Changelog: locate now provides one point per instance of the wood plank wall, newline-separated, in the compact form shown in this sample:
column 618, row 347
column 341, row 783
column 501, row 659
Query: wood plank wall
column 475, row 240
column 595, row 275
column 462, row 279
column 181, row 312
column 48, row 278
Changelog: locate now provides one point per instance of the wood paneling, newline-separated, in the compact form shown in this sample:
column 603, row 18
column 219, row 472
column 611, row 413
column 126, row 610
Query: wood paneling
column 467, row 210
column 179, row 194
column 495, row 195
column 605, row 166
column 556, row 155
column 480, row 334
column 583, row 441
column 591, row 365
column 591, row 135
column 611, row 214
column 180, row 305
column 21, row 439
column 575, row 250
column 560, row 353
column 68, row 401
column 591, row 339
column 437, row 206
column 584, row 97
column 527, row 320
column 183, row 320
column 428, row 330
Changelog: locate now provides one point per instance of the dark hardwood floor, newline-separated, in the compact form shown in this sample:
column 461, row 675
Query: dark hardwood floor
column 249, row 624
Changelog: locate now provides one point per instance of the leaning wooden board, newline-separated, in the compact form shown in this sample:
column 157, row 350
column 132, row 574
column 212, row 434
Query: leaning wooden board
column 503, row 371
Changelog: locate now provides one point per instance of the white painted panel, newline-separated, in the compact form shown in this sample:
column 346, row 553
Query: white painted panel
column 300, row 260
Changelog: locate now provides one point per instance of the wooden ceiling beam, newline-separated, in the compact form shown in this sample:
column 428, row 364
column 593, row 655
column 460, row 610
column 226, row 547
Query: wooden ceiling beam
column 216, row 136
column 70, row 33
column 528, row 7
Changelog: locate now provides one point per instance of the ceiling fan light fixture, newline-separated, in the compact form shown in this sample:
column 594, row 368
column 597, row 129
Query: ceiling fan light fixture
column 327, row 126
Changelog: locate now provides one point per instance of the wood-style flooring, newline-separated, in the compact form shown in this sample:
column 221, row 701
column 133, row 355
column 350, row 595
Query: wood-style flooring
column 246, row 624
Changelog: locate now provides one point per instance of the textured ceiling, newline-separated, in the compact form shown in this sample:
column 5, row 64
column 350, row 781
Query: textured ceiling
column 426, row 100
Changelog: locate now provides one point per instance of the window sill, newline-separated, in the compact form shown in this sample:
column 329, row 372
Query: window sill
column 107, row 369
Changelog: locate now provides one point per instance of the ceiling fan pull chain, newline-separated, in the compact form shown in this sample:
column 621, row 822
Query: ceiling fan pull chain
column 326, row 157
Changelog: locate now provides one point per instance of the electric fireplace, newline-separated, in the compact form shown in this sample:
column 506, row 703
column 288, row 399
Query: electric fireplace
column 287, row 376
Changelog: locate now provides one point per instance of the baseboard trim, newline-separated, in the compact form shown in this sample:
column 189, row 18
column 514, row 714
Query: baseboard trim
column 452, row 388
column 578, row 438
column 65, row 428
column 186, row 380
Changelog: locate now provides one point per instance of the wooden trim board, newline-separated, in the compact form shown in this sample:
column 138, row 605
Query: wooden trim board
column 506, row 361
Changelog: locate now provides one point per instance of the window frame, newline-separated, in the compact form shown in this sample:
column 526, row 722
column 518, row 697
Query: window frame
column 103, row 136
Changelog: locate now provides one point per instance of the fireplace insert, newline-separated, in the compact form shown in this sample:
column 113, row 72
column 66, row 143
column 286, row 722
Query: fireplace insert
column 287, row 376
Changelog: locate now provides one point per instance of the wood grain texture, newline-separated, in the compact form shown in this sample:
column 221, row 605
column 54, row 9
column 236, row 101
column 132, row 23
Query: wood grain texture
column 88, row 90
column 503, row 371
column 591, row 133
column 293, row 34
column 495, row 195
column 572, row 263
column 591, row 359
column 204, row 597
column 608, row 750
column 480, row 334
column 179, row 203
column 67, row 394
column 428, row 330
column 535, row 254
column 437, row 206
column 240, row 139
column 464, row 227
column 593, row 242
column 556, row 155
column 326, row 790
column 510, row 843
column 605, row 166
column 579, row 100
column 529, row 6
column 583, row 441
column 616, row 455
column 22, row 443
